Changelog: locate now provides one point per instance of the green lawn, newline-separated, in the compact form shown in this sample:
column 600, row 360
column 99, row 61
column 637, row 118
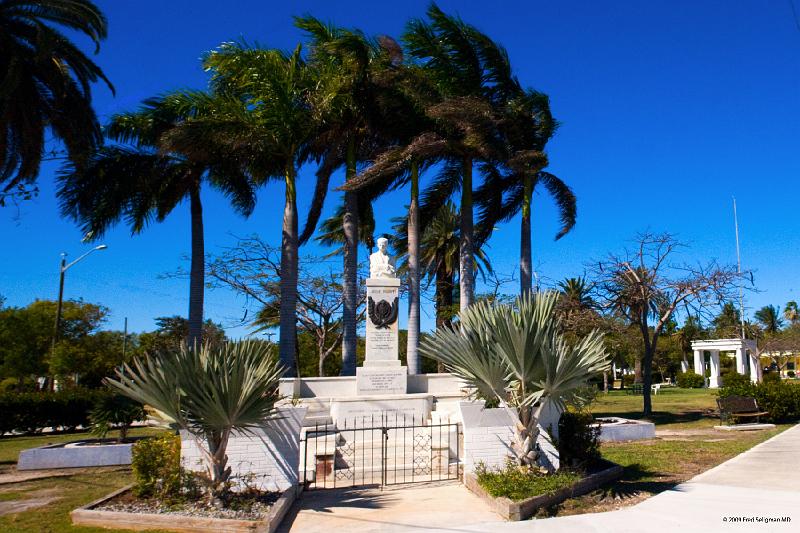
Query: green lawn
column 673, row 408
column 685, row 445
column 74, row 490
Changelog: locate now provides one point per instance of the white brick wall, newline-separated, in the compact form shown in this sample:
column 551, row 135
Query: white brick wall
column 271, row 454
column 488, row 434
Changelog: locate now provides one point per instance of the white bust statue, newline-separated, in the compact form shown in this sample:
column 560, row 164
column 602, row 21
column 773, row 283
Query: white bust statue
column 381, row 265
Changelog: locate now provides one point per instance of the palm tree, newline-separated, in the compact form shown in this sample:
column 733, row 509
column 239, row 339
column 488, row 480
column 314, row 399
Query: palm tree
column 46, row 85
column 515, row 356
column 273, row 137
column 790, row 312
column 769, row 318
column 439, row 249
column 527, row 126
column 471, row 73
column 347, row 62
column 147, row 178
column 728, row 322
column 578, row 291
column 209, row 392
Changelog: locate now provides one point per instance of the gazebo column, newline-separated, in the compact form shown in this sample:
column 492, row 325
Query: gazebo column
column 698, row 363
column 740, row 360
column 713, row 380
column 684, row 364
column 755, row 367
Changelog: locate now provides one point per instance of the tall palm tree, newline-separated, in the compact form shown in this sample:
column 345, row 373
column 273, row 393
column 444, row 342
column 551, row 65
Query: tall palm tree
column 769, row 318
column 439, row 255
column 527, row 125
column 471, row 73
column 272, row 137
column 46, row 85
column 146, row 178
column 347, row 61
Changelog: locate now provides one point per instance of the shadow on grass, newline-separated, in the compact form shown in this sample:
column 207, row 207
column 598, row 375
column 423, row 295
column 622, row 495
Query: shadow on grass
column 635, row 481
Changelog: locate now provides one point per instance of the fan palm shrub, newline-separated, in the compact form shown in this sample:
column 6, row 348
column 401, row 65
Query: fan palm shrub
column 515, row 357
column 209, row 392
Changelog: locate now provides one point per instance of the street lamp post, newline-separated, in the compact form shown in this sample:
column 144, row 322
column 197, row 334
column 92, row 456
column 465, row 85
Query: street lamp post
column 62, row 270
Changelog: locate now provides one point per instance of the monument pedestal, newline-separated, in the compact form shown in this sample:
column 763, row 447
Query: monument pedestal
column 382, row 373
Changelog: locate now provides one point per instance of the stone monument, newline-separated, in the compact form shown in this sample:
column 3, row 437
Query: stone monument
column 382, row 373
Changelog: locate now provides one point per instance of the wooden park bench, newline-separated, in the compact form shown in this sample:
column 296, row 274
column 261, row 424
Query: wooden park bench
column 636, row 389
column 735, row 407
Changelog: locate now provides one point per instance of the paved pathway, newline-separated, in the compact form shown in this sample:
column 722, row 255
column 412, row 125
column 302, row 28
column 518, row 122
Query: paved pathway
column 763, row 482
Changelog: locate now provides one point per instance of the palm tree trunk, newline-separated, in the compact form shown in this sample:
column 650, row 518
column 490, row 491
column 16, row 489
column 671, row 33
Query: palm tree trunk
column 444, row 300
column 197, row 271
column 466, row 250
column 525, row 263
column 288, row 305
column 412, row 347
column 350, row 273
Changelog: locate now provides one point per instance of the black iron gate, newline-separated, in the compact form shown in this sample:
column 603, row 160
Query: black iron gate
column 370, row 451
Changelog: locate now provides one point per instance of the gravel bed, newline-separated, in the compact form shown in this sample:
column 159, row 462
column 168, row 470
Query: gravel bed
column 249, row 507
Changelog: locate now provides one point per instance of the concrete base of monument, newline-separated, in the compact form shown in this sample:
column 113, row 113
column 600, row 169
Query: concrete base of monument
column 386, row 409
column 381, row 380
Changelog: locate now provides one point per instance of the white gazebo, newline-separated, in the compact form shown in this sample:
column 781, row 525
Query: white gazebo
column 746, row 358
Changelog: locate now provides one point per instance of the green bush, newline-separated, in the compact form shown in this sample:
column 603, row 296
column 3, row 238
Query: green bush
column 577, row 440
column 115, row 410
column 790, row 374
column 690, row 380
column 627, row 379
column 780, row 399
column 31, row 412
column 735, row 379
column 156, row 465
column 771, row 377
column 519, row 483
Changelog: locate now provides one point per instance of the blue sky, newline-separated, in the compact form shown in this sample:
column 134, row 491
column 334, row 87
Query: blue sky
column 668, row 110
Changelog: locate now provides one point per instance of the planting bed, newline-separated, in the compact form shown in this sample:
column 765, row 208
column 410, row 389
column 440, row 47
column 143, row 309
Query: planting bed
column 120, row 510
column 524, row 509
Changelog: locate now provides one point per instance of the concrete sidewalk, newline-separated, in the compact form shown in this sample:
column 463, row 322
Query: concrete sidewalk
column 761, row 483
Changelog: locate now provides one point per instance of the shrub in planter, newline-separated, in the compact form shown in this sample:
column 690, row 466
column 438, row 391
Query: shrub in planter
column 156, row 465
column 690, row 380
column 521, row 482
column 209, row 392
column 577, row 440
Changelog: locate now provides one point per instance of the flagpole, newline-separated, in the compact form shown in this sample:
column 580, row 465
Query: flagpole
column 739, row 267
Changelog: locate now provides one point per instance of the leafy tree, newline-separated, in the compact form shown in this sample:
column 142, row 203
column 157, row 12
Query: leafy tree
column 46, row 85
column 253, row 270
column 159, row 172
column 26, row 334
column 643, row 287
column 728, row 322
column 171, row 331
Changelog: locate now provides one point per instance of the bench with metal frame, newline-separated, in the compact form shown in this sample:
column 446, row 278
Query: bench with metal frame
column 735, row 407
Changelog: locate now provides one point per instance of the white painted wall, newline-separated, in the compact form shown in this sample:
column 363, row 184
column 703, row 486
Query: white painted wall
column 272, row 454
